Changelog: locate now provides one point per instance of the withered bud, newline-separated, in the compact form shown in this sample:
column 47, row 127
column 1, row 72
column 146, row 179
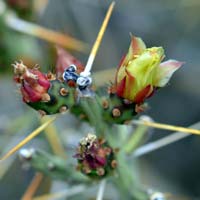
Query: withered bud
column 34, row 84
column 94, row 156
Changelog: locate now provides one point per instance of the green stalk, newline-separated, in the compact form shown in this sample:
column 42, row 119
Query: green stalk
column 136, row 137
column 127, row 181
column 51, row 165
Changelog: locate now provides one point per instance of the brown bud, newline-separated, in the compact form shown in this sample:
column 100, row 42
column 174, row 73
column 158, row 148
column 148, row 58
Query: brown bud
column 51, row 76
column 64, row 92
column 105, row 104
column 116, row 112
column 114, row 164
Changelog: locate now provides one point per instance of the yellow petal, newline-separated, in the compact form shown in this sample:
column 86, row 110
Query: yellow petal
column 136, row 47
column 143, row 68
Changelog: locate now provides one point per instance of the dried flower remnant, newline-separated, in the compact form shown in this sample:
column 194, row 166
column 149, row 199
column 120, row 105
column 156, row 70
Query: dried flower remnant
column 95, row 157
column 141, row 71
column 34, row 85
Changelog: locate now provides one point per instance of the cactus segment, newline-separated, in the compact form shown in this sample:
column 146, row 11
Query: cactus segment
column 62, row 98
column 113, row 109
column 50, row 165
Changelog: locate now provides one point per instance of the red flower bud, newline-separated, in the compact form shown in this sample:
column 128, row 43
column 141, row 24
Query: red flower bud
column 64, row 60
column 34, row 85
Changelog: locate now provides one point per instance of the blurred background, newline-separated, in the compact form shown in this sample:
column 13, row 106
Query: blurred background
column 173, row 24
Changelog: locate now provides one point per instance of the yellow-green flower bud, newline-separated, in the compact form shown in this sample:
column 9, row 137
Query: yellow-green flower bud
column 141, row 71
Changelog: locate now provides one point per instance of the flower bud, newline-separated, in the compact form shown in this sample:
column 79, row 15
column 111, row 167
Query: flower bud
column 34, row 85
column 95, row 157
column 64, row 60
column 141, row 71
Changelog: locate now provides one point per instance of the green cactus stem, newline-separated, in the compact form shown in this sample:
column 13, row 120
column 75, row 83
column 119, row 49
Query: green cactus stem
column 109, row 107
column 104, row 106
column 62, row 98
column 51, row 165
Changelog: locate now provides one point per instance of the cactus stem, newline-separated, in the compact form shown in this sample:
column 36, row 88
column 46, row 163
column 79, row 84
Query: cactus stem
column 51, row 166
